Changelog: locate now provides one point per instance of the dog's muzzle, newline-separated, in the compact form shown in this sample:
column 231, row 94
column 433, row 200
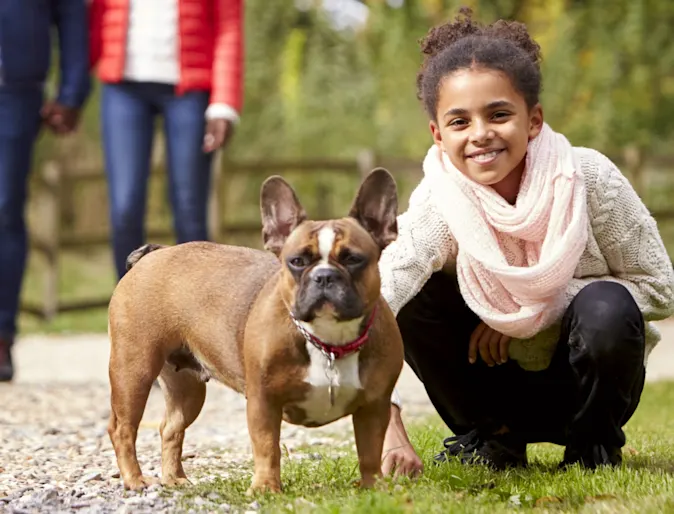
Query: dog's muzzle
column 327, row 285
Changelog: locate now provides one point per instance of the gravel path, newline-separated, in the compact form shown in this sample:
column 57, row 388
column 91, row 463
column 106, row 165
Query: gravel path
column 55, row 455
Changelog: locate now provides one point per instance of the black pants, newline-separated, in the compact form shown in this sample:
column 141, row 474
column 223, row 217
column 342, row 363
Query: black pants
column 587, row 394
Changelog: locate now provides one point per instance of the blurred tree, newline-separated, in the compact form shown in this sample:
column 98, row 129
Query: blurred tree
column 312, row 90
column 609, row 77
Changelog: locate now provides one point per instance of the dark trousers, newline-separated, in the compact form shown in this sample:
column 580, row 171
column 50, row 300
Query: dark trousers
column 128, row 114
column 19, row 126
column 587, row 394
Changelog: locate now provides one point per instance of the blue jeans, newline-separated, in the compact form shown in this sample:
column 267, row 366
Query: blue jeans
column 19, row 126
column 128, row 112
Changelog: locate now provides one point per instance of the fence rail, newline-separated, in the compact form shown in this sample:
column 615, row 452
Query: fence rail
column 56, row 180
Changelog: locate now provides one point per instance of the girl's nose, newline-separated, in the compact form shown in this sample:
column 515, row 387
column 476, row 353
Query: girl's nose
column 481, row 133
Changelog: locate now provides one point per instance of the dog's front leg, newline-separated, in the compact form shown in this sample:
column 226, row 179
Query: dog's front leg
column 264, row 427
column 369, row 424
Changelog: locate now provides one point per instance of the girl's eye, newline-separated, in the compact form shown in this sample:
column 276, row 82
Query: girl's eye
column 457, row 122
column 501, row 114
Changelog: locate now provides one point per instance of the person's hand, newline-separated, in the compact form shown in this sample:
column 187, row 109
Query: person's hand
column 218, row 133
column 492, row 345
column 399, row 457
column 60, row 118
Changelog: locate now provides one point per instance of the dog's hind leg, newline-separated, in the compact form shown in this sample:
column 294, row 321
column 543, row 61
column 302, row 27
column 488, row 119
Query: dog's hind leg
column 184, row 393
column 130, row 388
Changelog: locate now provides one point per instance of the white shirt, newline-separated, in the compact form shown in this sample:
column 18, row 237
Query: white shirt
column 152, row 42
column 153, row 46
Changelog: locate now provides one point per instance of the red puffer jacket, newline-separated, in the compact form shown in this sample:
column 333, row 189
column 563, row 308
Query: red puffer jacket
column 211, row 45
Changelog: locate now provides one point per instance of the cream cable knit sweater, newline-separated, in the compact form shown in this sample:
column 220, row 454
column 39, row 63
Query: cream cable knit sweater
column 623, row 246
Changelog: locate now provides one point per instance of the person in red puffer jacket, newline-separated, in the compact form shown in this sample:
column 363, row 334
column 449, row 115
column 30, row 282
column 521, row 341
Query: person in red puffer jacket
column 178, row 59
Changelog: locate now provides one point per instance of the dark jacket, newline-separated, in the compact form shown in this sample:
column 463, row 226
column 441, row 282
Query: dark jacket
column 26, row 45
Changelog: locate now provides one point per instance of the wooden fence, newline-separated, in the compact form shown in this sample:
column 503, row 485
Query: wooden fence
column 55, row 181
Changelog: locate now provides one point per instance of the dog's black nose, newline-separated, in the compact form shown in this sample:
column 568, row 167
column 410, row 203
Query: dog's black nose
column 325, row 277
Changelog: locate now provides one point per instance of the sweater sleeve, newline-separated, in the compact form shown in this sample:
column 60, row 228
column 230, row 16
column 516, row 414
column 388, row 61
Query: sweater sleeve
column 628, row 238
column 423, row 246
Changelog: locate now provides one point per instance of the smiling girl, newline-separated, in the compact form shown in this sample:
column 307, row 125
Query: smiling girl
column 526, row 272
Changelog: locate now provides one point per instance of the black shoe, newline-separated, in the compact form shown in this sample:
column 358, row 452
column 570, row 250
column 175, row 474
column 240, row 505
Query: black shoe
column 592, row 456
column 497, row 451
column 6, row 367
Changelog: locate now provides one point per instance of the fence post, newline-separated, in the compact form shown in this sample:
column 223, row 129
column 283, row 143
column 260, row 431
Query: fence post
column 50, row 222
column 214, row 197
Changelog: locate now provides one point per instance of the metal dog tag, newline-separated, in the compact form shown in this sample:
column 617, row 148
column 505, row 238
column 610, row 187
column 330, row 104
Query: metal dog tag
column 330, row 374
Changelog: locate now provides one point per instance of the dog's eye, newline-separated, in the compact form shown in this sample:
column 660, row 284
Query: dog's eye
column 298, row 262
column 351, row 259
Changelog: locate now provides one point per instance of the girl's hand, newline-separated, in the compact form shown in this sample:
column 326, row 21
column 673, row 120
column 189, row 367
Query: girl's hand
column 399, row 457
column 492, row 345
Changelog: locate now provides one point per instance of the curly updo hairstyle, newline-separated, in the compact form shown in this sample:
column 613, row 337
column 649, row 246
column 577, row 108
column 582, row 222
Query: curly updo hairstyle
column 504, row 46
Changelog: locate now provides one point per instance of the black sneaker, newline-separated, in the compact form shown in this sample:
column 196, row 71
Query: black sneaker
column 592, row 456
column 6, row 367
column 497, row 451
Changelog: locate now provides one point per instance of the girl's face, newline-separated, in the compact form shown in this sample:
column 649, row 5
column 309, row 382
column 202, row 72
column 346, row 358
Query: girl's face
column 484, row 127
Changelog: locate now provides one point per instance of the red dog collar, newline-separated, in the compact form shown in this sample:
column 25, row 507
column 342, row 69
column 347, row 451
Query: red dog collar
column 334, row 352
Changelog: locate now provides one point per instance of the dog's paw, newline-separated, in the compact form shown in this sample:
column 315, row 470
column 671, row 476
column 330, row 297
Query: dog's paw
column 174, row 481
column 263, row 486
column 367, row 482
column 140, row 483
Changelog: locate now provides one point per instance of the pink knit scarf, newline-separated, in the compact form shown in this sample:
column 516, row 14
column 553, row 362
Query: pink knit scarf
column 515, row 261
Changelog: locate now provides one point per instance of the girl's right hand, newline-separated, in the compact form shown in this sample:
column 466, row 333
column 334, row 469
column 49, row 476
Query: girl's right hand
column 399, row 457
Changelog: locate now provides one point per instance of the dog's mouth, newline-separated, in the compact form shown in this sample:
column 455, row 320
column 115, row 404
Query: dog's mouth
column 324, row 308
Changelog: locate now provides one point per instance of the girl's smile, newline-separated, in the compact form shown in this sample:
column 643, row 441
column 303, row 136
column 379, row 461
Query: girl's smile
column 486, row 157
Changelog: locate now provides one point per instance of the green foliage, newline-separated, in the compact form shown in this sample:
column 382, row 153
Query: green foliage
column 310, row 90
column 624, row 60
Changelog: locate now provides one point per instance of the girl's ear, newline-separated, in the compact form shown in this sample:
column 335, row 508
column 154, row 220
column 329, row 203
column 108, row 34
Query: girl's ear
column 535, row 121
column 435, row 131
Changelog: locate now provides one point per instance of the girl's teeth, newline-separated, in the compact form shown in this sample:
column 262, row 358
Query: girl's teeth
column 485, row 156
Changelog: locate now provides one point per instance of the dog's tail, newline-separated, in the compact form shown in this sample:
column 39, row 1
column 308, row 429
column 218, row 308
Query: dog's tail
column 141, row 252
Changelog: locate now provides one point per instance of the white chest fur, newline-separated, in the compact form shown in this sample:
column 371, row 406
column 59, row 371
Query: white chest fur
column 345, row 376
column 345, row 385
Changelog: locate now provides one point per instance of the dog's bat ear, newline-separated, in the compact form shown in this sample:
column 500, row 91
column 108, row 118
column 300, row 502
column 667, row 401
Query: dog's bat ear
column 375, row 206
column 281, row 213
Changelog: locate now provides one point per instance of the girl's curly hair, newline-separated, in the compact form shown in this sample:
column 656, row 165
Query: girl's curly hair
column 505, row 46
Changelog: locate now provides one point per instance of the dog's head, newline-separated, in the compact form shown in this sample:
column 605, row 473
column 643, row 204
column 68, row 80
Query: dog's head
column 330, row 267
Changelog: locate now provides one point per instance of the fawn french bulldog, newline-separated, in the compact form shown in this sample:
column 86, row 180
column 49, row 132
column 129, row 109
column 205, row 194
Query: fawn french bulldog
column 300, row 329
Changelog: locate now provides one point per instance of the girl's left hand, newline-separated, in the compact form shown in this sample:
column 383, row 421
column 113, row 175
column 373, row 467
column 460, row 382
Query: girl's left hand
column 492, row 345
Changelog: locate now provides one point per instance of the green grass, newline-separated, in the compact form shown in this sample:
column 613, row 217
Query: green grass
column 644, row 483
